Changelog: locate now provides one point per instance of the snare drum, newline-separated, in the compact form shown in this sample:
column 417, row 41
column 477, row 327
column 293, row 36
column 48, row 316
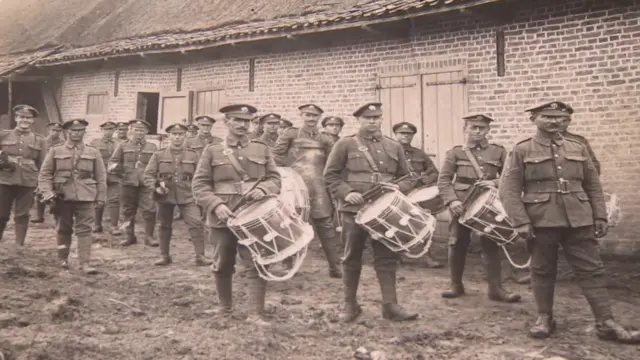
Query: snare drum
column 273, row 233
column 428, row 198
column 400, row 225
column 294, row 192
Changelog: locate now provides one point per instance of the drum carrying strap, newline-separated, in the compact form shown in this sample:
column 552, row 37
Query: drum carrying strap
column 234, row 162
column 474, row 163
column 367, row 154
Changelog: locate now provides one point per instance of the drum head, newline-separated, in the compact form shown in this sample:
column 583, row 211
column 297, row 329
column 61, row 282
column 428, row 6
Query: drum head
column 424, row 194
column 478, row 204
column 255, row 210
column 374, row 209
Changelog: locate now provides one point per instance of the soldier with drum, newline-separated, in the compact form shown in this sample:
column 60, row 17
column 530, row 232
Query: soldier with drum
column 236, row 170
column 476, row 163
column 552, row 193
column 169, row 175
column 53, row 139
column 422, row 169
column 309, row 149
column 357, row 164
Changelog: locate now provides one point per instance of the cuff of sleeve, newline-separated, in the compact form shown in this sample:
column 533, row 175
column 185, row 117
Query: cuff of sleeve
column 214, row 204
column 520, row 223
column 343, row 191
column 264, row 189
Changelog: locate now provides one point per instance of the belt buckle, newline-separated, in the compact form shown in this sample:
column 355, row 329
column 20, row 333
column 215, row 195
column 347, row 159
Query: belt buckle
column 239, row 187
column 563, row 186
column 375, row 178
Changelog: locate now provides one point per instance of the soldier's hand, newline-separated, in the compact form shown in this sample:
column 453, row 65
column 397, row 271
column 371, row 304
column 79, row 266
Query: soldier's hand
column 223, row 212
column 99, row 204
column 162, row 191
column 600, row 228
column 354, row 198
column 456, row 207
column 48, row 196
column 486, row 184
column 255, row 194
column 525, row 231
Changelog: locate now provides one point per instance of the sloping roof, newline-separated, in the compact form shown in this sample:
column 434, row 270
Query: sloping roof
column 18, row 62
column 100, row 28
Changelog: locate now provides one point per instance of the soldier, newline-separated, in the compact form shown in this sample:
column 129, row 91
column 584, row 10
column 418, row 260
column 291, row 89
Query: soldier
column 204, row 137
column 355, row 165
column 284, row 124
column 477, row 162
column 256, row 128
column 422, row 169
column 332, row 126
column 122, row 133
column 107, row 145
column 307, row 150
column 193, row 131
column 53, row 139
column 74, row 175
column 25, row 152
column 129, row 160
column 552, row 194
column 169, row 175
column 270, row 123
column 226, row 173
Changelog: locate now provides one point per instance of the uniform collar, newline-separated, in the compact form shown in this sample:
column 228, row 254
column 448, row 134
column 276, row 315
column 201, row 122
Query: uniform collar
column 21, row 133
column 72, row 145
column 139, row 142
column 107, row 138
column 407, row 147
column 270, row 136
column 204, row 136
column 370, row 136
column 313, row 130
column 237, row 141
column 546, row 140
column 470, row 145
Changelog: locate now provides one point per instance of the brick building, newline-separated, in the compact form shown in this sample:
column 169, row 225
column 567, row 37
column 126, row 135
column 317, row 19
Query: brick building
column 429, row 62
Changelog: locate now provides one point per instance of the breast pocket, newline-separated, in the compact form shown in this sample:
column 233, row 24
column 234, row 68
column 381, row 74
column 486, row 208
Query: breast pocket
column 492, row 168
column 86, row 163
column 189, row 167
column 34, row 151
column 392, row 163
column 10, row 147
column 105, row 153
column 165, row 169
column 465, row 169
column 539, row 168
column 417, row 165
column 63, row 162
column 130, row 157
column 356, row 162
column 257, row 166
column 222, row 170
column 145, row 156
column 574, row 167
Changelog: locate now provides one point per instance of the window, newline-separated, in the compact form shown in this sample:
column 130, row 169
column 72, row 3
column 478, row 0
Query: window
column 96, row 103
column 208, row 101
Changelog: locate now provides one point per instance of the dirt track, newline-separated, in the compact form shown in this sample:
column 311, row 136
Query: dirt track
column 133, row 310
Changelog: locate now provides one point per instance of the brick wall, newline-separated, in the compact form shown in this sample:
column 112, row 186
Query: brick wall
column 581, row 52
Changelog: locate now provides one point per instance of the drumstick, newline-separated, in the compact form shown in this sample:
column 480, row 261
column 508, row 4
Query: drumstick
column 243, row 199
column 378, row 189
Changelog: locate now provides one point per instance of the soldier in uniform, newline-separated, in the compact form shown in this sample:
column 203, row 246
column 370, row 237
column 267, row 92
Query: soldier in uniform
column 169, row 175
column 270, row 123
column 332, row 126
column 204, row 137
column 75, row 174
column 457, row 177
column 256, row 128
column 307, row 150
column 122, row 133
column 53, row 139
column 193, row 131
column 422, row 169
column 25, row 151
column 129, row 160
column 552, row 194
column 107, row 145
column 226, row 173
column 284, row 125
column 356, row 164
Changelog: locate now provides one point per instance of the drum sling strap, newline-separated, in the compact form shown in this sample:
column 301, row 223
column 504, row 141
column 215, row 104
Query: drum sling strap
column 234, row 162
column 474, row 163
column 367, row 154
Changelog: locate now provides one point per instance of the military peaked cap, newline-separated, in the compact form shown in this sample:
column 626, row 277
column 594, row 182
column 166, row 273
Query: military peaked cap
column 206, row 118
column 108, row 125
column 311, row 108
column 270, row 117
column 405, row 127
column 25, row 110
column 332, row 120
column 241, row 111
column 75, row 124
column 554, row 108
column 177, row 126
column 55, row 126
column 478, row 117
column 370, row 109
column 140, row 124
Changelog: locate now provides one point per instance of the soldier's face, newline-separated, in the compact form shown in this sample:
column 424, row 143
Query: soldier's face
column 139, row 132
column 24, row 122
column 238, row 127
column 204, row 127
column 310, row 119
column 176, row 137
column 333, row 129
column 566, row 121
column 108, row 132
column 476, row 130
column 549, row 124
column 122, row 132
column 76, row 135
column 370, row 123
column 56, row 133
column 272, row 127
column 404, row 138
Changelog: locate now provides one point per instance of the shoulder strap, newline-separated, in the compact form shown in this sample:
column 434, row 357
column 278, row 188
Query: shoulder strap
column 234, row 161
column 474, row 163
column 367, row 154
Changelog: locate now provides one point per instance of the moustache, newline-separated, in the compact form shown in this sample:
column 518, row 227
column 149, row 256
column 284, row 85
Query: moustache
column 241, row 128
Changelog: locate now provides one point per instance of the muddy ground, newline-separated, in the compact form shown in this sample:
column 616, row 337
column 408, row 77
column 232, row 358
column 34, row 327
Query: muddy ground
column 133, row 310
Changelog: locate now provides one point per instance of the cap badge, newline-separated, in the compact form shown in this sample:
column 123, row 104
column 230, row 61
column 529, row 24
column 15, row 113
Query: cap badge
column 553, row 105
column 244, row 109
column 479, row 117
column 372, row 107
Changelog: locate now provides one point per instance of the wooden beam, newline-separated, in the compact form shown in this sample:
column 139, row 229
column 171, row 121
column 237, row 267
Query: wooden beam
column 31, row 78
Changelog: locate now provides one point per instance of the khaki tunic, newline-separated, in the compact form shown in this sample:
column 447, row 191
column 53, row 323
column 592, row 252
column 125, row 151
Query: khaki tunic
column 200, row 142
column 106, row 146
column 27, row 151
column 270, row 140
column 130, row 159
column 551, row 183
column 51, row 142
column 176, row 169
column 585, row 142
column 421, row 167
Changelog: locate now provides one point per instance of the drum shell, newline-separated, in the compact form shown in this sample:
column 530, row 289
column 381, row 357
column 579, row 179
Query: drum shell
column 434, row 205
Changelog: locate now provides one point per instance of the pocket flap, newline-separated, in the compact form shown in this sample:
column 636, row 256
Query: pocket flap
column 494, row 163
column 61, row 156
column 460, row 186
column 354, row 155
column 582, row 196
column 576, row 157
column 534, row 198
column 463, row 163
column 536, row 160
column 257, row 159
column 218, row 162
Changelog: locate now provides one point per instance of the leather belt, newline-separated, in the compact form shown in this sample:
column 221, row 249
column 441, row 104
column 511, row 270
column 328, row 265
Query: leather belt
column 369, row 177
column 20, row 160
column 559, row 186
column 236, row 188
column 465, row 180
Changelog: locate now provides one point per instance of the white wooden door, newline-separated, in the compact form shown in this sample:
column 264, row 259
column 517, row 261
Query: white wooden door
column 174, row 108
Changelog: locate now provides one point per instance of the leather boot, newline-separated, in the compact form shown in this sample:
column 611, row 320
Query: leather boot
column 457, row 260
column 84, row 255
column 40, row 207
column 198, row 245
column 225, row 293
column 114, row 216
column 131, row 235
column 257, row 293
column 431, row 263
column 64, row 247
column 99, row 212
column 390, row 308
column 3, row 225
column 494, row 280
column 149, row 227
column 165, row 245
column 352, row 310
column 329, row 247
column 543, row 328
column 610, row 330
column 21, row 227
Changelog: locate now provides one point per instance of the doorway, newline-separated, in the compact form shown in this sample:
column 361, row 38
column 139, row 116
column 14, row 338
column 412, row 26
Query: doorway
column 147, row 109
